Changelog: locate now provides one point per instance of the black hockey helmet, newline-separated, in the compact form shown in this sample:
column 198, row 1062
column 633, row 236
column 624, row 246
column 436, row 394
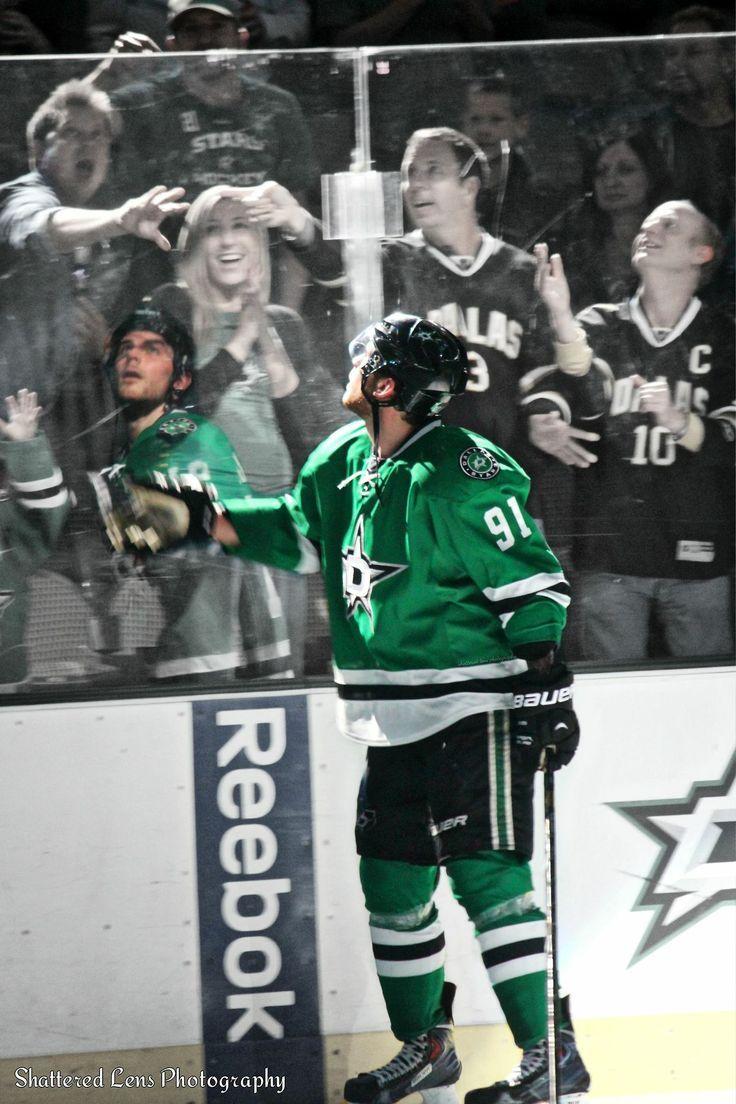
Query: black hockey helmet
column 427, row 361
column 158, row 321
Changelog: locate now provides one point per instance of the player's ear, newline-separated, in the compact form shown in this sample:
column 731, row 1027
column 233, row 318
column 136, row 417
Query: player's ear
column 521, row 126
column 471, row 187
column 182, row 382
column 704, row 254
column 384, row 388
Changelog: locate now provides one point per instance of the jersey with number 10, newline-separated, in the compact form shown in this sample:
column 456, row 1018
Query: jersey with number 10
column 434, row 573
column 649, row 506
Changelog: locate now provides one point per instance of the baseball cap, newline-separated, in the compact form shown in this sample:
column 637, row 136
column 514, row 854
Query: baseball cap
column 231, row 9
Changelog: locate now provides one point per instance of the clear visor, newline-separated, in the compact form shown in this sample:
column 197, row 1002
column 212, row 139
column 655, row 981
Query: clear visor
column 362, row 346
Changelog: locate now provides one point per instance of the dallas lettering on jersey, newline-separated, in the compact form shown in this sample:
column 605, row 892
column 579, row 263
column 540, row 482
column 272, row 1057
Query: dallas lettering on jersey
column 499, row 332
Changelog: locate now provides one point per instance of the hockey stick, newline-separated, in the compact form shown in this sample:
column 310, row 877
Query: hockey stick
column 553, row 1009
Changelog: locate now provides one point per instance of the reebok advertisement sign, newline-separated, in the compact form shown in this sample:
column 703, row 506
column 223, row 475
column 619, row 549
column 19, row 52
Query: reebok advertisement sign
column 260, row 1014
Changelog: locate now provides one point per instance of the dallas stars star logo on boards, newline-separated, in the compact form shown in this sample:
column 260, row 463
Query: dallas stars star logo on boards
column 360, row 574
column 695, row 870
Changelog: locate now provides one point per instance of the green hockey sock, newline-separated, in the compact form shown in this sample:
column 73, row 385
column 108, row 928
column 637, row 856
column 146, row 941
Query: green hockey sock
column 408, row 943
column 495, row 888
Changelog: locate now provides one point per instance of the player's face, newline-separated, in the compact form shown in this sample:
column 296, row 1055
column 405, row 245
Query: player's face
column 692, row 65
column 621, row 182
column 490, row 119
column 433, row 190
column 76, row 156
column 353, row 398
column 144, row 367
column 232, row 249
column 670, row 238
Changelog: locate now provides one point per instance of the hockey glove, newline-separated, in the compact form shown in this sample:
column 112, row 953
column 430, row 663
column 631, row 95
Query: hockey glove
column 543, row 719
column 153, row 518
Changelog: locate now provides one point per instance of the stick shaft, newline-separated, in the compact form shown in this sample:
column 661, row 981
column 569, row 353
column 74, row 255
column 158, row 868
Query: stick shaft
column 552, row 978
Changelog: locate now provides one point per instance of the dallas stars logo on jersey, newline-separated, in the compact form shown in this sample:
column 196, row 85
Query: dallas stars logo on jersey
column 479, row 463
column 361, row 574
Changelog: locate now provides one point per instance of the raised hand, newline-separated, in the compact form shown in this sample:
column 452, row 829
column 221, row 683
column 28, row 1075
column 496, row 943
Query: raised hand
column 23, row 415
column 132, row 42
column 144, row 214
column 551, row 433
column 655, row 398
column 271, row 205
column 551, row 282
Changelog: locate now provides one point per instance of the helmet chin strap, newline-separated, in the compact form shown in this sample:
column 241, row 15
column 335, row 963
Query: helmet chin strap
column 376, row 420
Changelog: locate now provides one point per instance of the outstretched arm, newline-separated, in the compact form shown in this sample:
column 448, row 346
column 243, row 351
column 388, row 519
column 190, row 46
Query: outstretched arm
column 113, row 70
column 69, row 227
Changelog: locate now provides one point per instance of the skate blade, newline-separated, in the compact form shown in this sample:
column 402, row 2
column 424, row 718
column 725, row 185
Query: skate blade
column 444, row 1095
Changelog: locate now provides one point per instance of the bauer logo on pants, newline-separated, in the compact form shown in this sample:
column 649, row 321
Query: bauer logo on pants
column 256, row 895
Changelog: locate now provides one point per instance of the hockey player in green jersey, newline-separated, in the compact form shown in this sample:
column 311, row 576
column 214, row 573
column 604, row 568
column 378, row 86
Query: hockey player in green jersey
column 34, row 504
column 446, row 606
column 151, row 359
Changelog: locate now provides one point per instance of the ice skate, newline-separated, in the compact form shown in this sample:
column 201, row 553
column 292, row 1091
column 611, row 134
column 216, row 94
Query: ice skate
column 428, row 1065
column 529, row 1082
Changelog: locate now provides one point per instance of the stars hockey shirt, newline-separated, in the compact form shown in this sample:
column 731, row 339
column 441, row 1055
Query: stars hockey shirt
column 34, row 504
column 490, row 302
column 433, row 570
column 199, row 591
column 651, row 506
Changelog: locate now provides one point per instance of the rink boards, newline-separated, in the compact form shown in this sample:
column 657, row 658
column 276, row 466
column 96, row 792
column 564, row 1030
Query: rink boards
column 181, row 900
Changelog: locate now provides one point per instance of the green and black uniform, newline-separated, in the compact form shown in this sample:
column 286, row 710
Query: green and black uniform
column 33, row 506
column 435, row 574
column 199, row 587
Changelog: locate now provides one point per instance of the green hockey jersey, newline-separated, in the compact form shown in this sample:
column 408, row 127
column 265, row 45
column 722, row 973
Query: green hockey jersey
column 433, row 570
column 34, row 504
column 181, row 442
column 219, row 615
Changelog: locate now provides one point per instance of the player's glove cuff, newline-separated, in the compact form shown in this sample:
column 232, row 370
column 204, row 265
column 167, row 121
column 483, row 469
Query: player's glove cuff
column 200, row 499
column 543, row 718
column 150, row 519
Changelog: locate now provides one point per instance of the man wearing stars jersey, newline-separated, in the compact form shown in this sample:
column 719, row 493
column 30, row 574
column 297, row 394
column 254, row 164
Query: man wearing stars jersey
column 453, row 272
column 221, row 125
column 652, row 377
column 446, row 606
column 448, row 270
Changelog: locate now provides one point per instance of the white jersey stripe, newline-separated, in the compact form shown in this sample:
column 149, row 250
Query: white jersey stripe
column 640, row 320
column 510, row 837
column 524, row 586
column 492, row 781
column 429, row 675
column 29, row 486
column 554, row 596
